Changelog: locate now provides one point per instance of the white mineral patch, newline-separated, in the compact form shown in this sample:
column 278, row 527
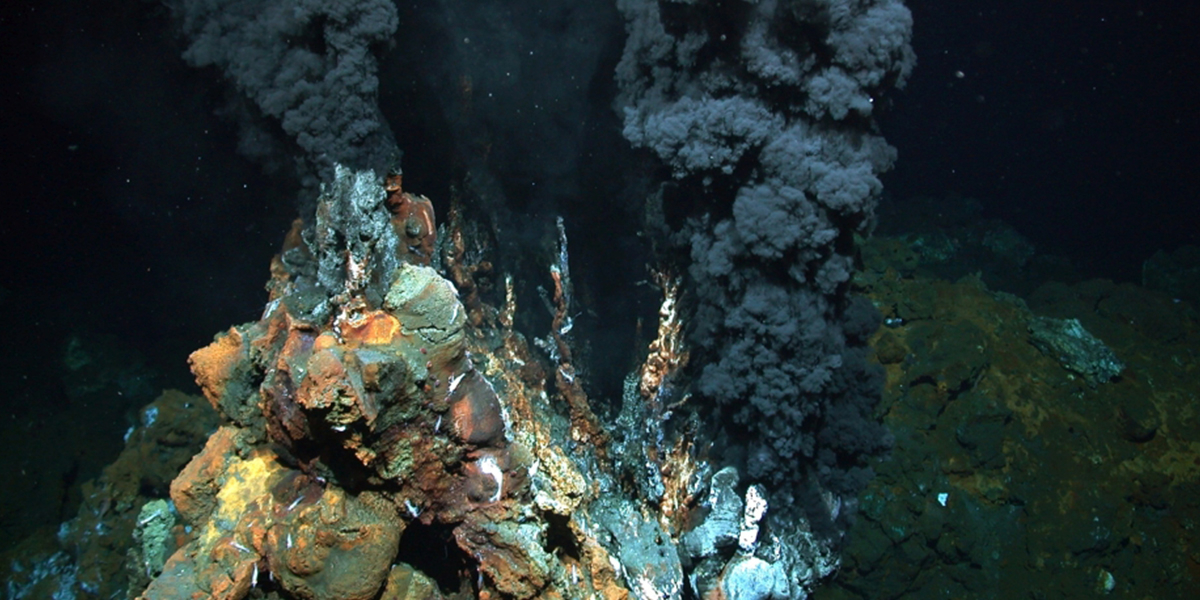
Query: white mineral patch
column 488, row 466
column 756, row 507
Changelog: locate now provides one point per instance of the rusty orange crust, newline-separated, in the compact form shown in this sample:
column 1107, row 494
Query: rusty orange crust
column 213, row 364
column 475, row 411
column 279, row 325
column 375, row 328
column 370, row 397
column 298, row 341
column 413, row 221
column 194, row 491
column 325, row 341
column 329, row 386
column 253, row 516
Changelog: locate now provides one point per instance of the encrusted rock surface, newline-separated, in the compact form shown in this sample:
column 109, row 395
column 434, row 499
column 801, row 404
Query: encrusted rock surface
column 350, row 464
column 382, row 439
column 1014, row 474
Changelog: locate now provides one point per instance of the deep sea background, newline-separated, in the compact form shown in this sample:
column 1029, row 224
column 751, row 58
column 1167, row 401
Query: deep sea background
column 132, row 225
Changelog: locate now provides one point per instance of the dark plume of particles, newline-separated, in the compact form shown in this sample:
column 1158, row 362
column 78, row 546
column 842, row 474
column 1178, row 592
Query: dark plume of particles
column 762, row 115
column 306, row 68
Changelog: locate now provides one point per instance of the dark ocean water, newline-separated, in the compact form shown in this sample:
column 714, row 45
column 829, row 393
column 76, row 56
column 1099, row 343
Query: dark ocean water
column 133, row 229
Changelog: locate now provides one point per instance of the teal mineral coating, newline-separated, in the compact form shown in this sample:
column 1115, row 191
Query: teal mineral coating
column 1066, row 341
column 153, row 535
column 437, row 317
column 648, row 558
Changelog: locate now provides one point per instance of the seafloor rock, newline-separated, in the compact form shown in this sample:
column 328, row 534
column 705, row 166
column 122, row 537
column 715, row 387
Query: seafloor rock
column 1013, row 475
column 381, row 412
column 383, row 440
column 254, row 515
column 406, row 583
column 123, row 529
column 1078, row 350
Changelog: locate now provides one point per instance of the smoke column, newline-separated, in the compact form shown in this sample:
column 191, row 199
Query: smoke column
column 762, row 116
column 305, row 66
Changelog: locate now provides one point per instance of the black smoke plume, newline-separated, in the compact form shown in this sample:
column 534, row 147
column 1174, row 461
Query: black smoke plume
column 306, row 67
column 762, row 114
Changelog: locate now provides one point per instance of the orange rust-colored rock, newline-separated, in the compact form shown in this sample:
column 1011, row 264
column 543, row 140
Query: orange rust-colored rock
column 475, row 411
column 274, row 330
column 252, row 516
column 668, row 353
column 508, row 554
column 325, row 341
column 194, row 491
column 213, row 364
column 376, row 328
column 328, row 388
column 358, row 411
column 413, row 221
column 485, row 478
column 294, row 239
column 338, row 547
column 585, row 426
column 226, row 499
column 299, row 341
column 406, row 583
column 467, row 275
